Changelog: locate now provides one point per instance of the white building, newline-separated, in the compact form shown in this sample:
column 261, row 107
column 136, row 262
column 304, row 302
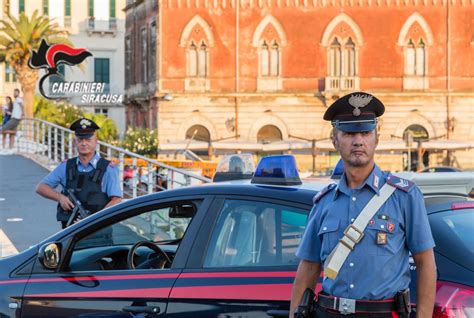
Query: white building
column 96, row 25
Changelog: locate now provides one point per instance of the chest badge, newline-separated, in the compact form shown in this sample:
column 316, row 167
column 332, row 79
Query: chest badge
column 381, row 238
column 383, row 217
column 372, row 222
column 390, row 227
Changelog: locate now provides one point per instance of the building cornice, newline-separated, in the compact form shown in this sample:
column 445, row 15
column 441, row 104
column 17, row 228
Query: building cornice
column 308, row 4
column 390, row 93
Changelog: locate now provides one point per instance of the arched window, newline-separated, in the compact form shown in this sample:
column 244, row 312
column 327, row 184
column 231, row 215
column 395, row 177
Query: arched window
column 198, row 132
column 275, row 60
column 192, row 60
column 410, row 58
column 415, row 58
column 264, row 59
column 349, row 58
column 342, row 58
column 197, row 59
column 420, row 59
column 268, row 134
column 270, row 59
column 416, row 158
column 417, row 133
column 335, row 58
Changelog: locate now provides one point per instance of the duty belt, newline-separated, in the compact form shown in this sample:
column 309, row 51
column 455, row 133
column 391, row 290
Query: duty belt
column 348, row 306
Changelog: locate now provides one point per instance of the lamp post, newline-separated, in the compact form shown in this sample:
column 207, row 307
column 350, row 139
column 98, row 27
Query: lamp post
column 167, row 97
column 313, row 149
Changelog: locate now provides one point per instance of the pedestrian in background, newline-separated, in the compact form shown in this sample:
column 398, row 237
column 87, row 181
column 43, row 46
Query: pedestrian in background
column 12, row 125
column 7, row 110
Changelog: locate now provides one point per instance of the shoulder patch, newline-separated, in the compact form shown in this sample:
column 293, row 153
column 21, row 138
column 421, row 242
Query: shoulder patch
column 400, row 183
column 323, row 192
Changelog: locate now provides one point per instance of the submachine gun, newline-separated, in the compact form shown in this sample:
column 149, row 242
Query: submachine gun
column 306, row 307
column 78, row 212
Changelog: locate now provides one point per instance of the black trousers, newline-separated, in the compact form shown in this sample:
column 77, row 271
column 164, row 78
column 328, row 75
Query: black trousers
column 325, row 313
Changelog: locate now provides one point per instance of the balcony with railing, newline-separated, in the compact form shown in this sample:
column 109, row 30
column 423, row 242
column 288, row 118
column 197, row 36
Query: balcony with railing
column 102, row 26
column 342, row 83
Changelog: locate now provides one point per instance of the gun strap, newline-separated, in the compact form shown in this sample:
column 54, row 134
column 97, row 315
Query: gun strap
column 355, row 232
column 71, row 170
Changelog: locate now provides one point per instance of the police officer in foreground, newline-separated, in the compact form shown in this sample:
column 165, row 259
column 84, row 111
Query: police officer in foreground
column 94, row 180
column 361, row 230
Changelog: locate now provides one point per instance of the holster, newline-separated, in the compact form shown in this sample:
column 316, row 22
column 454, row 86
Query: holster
column 307, row 305
column 403, row 303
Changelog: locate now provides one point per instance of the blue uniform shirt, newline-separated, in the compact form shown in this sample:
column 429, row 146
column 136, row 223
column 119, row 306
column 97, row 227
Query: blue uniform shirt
column 110, row 181
column 371, row 271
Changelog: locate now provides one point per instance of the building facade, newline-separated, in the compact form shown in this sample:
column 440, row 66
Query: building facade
column 264, row 71
column 98, row 26
column 140, row 62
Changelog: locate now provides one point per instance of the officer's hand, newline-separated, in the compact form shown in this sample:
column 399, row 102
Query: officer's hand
column 65, row 203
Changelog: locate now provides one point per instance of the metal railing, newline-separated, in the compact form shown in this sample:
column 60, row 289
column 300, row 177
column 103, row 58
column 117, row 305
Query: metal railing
column 342, row 83
column 51, row 144
column 102, row 25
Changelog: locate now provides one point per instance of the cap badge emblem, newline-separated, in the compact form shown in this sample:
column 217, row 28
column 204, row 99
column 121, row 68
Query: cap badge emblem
column 84, row 123
column 359, row 101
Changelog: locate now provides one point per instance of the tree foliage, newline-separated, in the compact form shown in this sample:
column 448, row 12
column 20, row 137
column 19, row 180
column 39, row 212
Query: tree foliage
column 140, row 140
column 64, row 114
column 18, row 37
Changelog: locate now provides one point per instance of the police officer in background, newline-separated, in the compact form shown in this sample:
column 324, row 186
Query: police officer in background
column 94, row 180
column 364, row 252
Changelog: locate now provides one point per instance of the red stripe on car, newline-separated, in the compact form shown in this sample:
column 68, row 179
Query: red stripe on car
column 246, row 292
column 237, row 274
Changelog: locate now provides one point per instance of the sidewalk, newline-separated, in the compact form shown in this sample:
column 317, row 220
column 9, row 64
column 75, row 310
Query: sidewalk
column 25, row 217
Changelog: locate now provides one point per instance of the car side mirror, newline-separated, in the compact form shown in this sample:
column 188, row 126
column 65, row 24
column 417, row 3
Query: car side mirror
column 49, row 255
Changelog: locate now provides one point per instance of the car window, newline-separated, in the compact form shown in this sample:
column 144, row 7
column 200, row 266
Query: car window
column 108, row 248
column 250, row 233
column 155, row 226
column 461, row 225
column 452, row 231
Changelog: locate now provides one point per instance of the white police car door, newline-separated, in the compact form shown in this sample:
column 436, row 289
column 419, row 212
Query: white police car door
column 247, row 264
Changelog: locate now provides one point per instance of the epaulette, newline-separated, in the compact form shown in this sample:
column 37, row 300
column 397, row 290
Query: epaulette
column 323, row 192
column 400, row 183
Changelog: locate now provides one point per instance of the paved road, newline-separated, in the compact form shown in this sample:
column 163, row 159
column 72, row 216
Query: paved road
column 18, row 200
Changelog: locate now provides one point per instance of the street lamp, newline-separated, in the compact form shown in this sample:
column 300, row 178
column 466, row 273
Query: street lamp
column 167, row 97
column 313, row 149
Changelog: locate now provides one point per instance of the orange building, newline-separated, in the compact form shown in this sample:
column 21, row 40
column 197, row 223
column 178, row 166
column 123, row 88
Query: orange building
column 257, row 75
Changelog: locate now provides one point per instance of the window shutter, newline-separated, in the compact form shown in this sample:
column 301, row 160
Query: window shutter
column 112, row 8
column 67, row 8
column 46, row 7
column 91, row 8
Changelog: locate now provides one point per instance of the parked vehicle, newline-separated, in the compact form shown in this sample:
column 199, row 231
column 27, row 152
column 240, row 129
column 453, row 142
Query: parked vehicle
column 204, row 251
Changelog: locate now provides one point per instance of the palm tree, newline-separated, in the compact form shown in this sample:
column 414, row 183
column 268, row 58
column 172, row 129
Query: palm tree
column 18, row 37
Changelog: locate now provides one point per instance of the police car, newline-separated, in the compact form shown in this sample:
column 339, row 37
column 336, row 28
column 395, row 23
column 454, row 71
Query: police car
column 218, row 250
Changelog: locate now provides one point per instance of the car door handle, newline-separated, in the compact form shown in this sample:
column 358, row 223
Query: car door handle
column 278, row 313
column 141, row 309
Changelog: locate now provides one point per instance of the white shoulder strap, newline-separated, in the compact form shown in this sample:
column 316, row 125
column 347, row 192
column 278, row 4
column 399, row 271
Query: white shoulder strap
column 355, row 232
